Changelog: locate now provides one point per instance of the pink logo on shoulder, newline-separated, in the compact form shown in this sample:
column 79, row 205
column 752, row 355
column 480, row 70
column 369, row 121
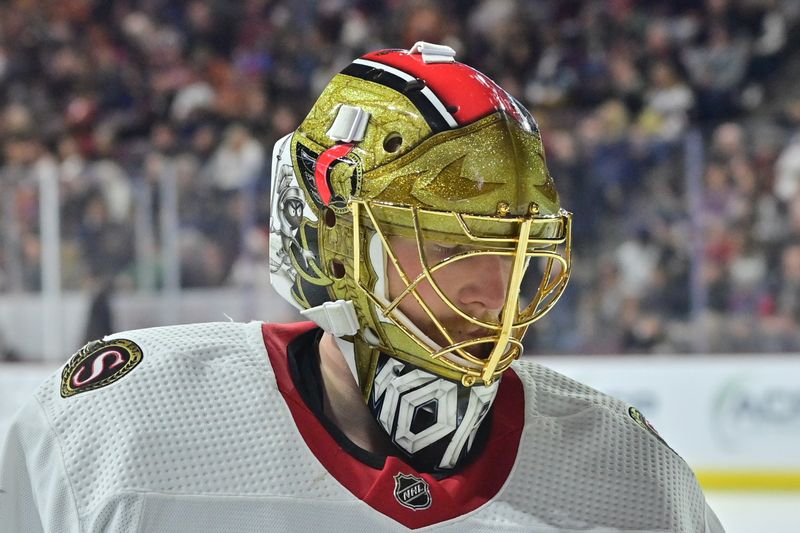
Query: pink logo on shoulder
column 99, row 364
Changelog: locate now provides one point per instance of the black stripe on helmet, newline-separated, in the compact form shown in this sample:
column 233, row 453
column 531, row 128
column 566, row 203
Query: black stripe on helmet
column 435, row 120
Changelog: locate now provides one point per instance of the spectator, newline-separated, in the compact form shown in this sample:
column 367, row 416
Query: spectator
column 787, row 171
column 636, row 262
column 717, row 68
column 670, row 100
column 119, row 95
column 238, row 161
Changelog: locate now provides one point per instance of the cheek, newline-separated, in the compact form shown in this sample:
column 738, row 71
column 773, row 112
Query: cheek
column 427, row 293
column 406, row 254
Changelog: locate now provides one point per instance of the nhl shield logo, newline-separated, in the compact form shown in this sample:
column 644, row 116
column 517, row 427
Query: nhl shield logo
column 412, row 492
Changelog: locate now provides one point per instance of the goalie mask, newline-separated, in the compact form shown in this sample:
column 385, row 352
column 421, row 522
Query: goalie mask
column 413, row 172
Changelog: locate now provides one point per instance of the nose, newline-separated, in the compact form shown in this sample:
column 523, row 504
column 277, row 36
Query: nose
column 484, row 282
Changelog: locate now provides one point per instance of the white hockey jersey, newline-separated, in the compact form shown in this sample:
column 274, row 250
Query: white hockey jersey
column 200, row 428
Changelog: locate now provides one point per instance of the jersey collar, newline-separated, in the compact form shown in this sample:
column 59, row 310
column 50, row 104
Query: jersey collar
column 395, row 489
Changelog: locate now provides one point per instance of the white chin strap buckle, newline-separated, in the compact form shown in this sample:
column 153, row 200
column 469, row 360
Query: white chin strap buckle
column 337, row 318
column 433, row 53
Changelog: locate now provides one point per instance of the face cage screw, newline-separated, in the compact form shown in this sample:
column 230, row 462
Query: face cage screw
column 533, row 209
column 503, row 209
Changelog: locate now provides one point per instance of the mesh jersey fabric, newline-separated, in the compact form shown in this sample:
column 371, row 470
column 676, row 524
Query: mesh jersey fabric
column 198, row 436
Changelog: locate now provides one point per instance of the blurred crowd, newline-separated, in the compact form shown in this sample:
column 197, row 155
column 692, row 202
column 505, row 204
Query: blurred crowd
column 672, row 130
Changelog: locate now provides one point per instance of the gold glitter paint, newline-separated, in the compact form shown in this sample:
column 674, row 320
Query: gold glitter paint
column 484, row 185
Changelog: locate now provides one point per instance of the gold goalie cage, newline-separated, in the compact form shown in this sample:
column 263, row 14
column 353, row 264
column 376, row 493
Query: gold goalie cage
column 521, row 242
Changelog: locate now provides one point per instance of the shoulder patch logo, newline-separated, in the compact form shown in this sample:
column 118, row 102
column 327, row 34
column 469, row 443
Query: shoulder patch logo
column 412, row 492
column 98, row 364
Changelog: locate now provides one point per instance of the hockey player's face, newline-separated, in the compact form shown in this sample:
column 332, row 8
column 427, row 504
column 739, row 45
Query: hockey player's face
column 477, row 285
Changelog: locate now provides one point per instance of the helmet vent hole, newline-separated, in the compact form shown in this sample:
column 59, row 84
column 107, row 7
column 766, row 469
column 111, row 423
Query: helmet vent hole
column 416, row 84
column 330, row 217
column 392, row 142
column 374, row 74
column 452, row 108
column 337, row 269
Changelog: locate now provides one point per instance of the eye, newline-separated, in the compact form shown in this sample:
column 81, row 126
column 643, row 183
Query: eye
column 445, row 250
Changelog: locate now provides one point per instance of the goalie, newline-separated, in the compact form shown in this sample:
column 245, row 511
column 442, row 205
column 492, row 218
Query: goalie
column 428, row 236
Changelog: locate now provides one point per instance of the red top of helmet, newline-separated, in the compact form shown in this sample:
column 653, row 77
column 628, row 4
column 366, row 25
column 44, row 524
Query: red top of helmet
column 468, row 94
